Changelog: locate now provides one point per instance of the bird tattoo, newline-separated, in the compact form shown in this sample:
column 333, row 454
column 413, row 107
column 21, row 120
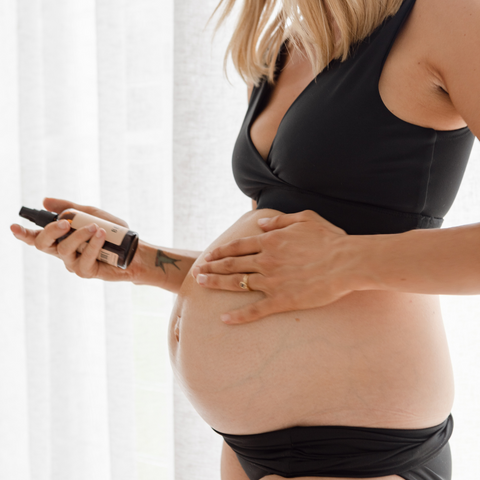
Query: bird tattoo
column 163, row 258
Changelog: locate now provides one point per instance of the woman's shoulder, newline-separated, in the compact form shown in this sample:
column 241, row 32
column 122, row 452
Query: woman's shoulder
column 446, row 21
column 450, row 33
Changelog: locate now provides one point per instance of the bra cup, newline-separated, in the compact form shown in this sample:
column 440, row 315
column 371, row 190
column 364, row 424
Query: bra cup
column 339, row 143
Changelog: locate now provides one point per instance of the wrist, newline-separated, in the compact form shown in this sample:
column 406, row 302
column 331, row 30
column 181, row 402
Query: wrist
column 360, row 259
column 140, row 270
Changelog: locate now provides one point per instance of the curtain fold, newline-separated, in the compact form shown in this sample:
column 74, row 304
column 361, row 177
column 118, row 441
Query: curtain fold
column 14, row 394
column 123, row 104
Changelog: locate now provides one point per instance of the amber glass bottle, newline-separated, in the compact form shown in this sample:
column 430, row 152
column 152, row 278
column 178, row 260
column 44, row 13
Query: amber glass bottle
column 120, row 243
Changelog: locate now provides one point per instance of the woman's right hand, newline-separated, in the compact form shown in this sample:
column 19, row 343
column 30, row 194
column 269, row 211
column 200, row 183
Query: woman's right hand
column 85, row 265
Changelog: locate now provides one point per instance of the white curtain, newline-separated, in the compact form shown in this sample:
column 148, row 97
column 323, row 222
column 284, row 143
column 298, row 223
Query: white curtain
column 123, row 104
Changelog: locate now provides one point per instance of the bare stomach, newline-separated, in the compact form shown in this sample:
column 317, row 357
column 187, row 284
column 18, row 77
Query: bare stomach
column 373, row 358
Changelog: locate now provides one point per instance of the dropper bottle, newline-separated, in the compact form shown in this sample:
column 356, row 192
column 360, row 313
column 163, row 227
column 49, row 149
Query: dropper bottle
column 120, row 243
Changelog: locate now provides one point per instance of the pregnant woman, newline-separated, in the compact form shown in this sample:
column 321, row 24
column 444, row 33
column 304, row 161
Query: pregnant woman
column 309, row 334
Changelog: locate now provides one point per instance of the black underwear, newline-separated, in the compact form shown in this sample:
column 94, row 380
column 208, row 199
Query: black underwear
column 338, row 451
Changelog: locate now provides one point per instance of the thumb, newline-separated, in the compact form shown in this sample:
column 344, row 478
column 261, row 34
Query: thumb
column 57, row 205
column 251, row 313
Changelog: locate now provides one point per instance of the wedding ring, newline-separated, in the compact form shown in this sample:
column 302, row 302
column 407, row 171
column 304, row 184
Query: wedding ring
column 244, row 283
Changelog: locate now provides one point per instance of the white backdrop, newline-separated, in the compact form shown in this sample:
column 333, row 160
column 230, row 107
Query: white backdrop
column 123, row 104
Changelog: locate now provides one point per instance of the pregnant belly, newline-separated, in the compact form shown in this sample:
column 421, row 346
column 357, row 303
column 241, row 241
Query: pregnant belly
column 375, row 359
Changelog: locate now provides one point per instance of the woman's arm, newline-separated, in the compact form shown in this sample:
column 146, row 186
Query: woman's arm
column 161, row 267
column 151, row 265
column 303, row 261
column 443, row 261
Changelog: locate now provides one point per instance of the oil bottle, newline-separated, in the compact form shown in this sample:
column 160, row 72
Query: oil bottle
column 120, row 243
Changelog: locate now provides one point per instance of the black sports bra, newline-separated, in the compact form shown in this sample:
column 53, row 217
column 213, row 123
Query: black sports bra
column 340, row 152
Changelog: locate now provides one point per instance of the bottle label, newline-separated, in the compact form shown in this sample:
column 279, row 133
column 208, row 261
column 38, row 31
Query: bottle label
column 115, row 233
column 108, row 257
column 103, row 255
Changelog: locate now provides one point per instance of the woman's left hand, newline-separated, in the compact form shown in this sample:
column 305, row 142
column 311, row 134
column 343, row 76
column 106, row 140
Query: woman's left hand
column 301, row 262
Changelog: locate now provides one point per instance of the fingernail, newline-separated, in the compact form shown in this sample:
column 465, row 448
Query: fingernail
column 99, row 233
column 195, row 271
column 92, row 228
column 263, row 221
column 64, row 224
column 208, row 257
column 225, row 318
column 201, row 279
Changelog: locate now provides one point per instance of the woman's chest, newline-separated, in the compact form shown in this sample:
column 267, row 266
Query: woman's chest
column 407, row 86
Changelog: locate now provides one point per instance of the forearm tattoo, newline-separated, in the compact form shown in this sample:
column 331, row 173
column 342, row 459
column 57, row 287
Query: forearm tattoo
column 163, row 259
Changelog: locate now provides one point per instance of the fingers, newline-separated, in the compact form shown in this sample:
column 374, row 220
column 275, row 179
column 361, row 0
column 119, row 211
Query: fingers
column 253, row 312
column 67, row 249
column 58, row 205
column 88, row 241
column 43, row 240
column 231, row 282
column 282, row 221
column 227, row 265
column 285, row 220
column 86, row 265
column 46, row 239
column 242, row 246
column 24, row 234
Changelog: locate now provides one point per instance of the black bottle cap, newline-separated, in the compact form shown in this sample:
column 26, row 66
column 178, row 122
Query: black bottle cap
column 39, row 217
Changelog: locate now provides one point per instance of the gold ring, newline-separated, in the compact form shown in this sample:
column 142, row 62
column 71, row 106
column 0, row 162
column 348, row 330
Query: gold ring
column 244, row 283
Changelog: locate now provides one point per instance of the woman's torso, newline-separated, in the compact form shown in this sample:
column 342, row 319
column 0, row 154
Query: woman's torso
column 373, row 358
column 341, row 151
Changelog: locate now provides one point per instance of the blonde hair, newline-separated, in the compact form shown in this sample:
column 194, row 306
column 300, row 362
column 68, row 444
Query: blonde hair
column 264, row 25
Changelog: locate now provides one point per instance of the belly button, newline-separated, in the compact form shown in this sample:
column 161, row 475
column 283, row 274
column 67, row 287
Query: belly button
column 176, row 329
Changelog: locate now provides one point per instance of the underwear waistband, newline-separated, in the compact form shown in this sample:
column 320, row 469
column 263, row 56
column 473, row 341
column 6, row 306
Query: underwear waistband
column 341, row 451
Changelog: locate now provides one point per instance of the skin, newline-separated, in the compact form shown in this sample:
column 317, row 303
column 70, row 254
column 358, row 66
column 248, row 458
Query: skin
column 430, row 79
column 151, row 265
